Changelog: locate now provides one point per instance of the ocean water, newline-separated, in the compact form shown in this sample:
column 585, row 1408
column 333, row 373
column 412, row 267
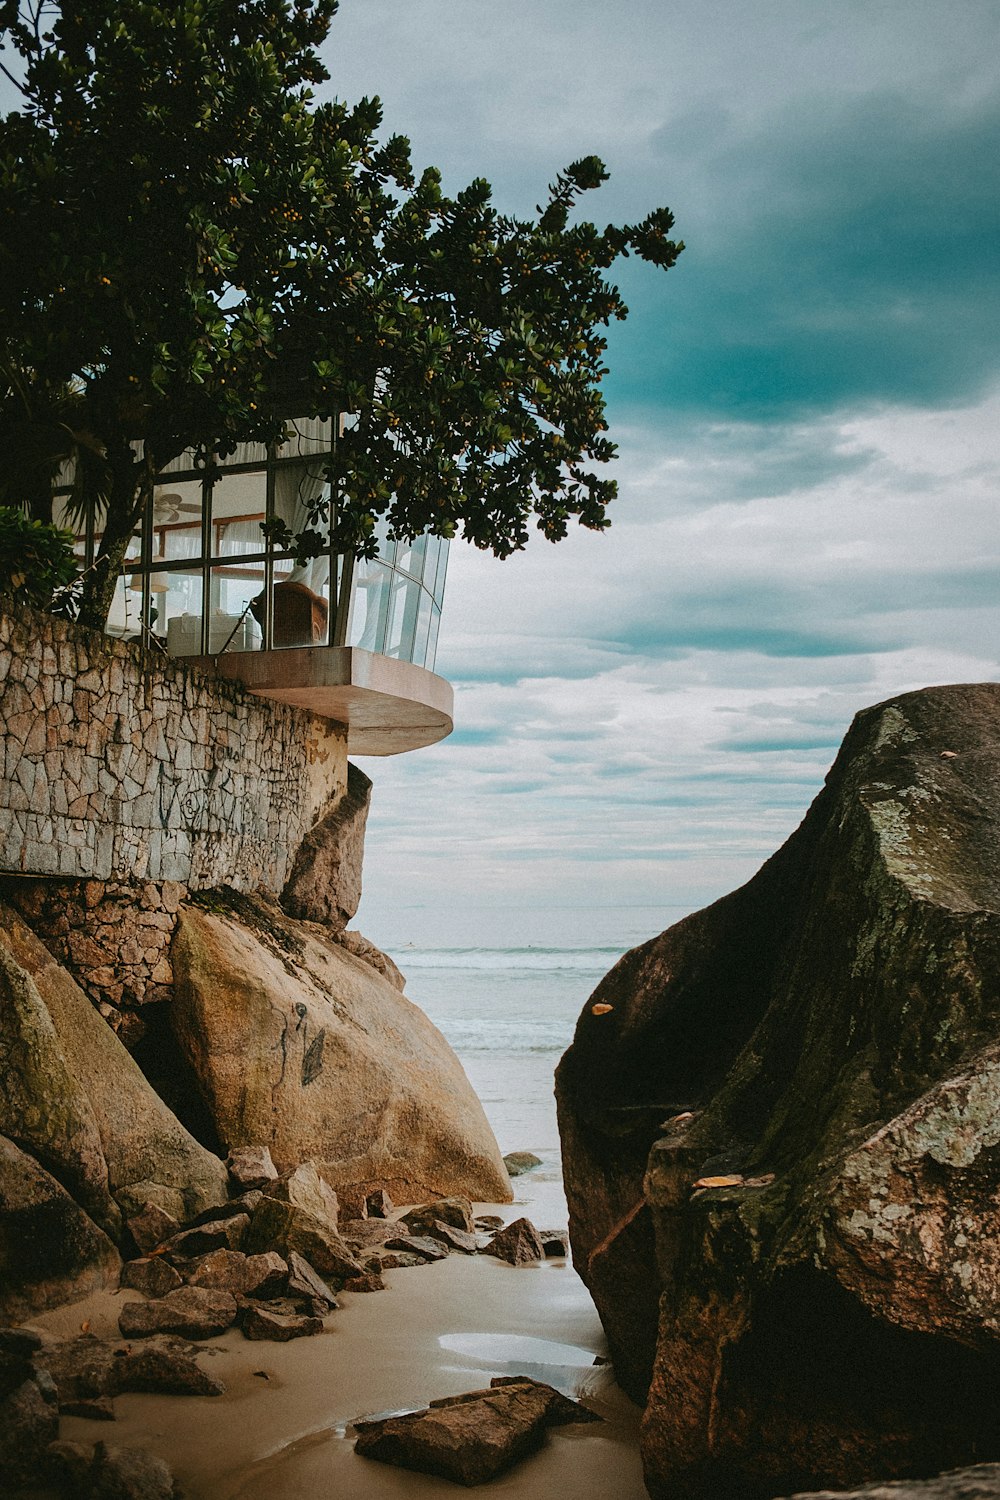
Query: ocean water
column 505, row 986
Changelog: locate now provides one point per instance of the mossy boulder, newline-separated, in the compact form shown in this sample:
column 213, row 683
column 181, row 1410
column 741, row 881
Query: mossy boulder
column 781, row 1123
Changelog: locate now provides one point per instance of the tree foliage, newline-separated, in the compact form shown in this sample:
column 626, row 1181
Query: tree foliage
column 195, row 248
column 37, row 565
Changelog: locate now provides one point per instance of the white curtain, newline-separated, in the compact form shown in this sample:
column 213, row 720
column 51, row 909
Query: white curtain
column 297, row 488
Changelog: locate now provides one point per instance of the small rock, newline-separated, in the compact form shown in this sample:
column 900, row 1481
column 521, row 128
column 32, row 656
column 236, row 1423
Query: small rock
column 519, row 1244
column 17, row 1349
column 217, row 1234
column 488, row 1223
column 555, row 1243
column 304, row 1188
column 29, row 1422
column 151, row 1275
column 260, row 1323
column 364, row 1232
column 283, row 1227
column 454, row 1211
column 193, row 1311
column 95, row 1408
column 244, row 1204
column 473, row 1437
column 452, row 1238
column 369, row 1282
column 252, row 1167
column 379, row 1204
column 86, row 1367
column 418, row 1244
column 67, row 1464
column 128, row 1474
column 303, row 1281
column 519, row 1162
column 397, row 1260
column 241, row 1275
column 151, row 1226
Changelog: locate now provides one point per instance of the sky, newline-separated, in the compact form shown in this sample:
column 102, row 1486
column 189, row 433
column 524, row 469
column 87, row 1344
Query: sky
column 807, row 410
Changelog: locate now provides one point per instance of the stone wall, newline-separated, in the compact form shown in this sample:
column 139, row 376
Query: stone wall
column 119, row 764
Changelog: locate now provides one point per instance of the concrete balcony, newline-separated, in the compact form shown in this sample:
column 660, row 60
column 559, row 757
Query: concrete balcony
column 388, row 706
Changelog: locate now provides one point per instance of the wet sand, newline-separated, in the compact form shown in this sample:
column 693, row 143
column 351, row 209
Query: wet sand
column 437, row 1330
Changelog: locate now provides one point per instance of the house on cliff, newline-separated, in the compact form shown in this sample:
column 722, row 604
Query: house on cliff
column 181, row 840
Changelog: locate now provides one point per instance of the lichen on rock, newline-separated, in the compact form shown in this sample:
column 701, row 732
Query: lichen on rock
column 783, row 1135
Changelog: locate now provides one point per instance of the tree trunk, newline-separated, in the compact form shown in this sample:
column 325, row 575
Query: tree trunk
column 129, row 484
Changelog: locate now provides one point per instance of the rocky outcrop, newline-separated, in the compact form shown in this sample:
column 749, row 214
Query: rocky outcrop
column 979, row 1483
column 325, row 883
column 303, row 1048
column 50, row 1251
column 149, row 1155
column 780, row 1121
column 42, row 1107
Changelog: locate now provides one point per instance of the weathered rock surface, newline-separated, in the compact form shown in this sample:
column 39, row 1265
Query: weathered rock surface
column 42, row 1107
column 127, row 1474
column 519, row 1162
column 151, row 1275
column 300, row 1046
column 142, row 1140
column 979, row 1483
column 277, row 1327
column 419, row 1244
column 88, row 1367
column 366, row 950
column 518, row 1243
column 325, row 883
column 471, row 1438
column 454, row 1239
column 252, row 1167
column 50, row 1251
column 29, row 1422
column 303, row 1281
column 303, row 1187
column 784, row 1114
column 454, row 1211
column 195, row 1312
column 241, row 1275
column 287, row 1229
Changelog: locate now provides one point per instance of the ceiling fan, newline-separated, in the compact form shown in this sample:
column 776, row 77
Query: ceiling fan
column 169, row 508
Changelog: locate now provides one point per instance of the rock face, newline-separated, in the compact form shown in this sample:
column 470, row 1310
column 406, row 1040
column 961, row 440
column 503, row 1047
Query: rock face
column 50, row 1251
column 303, row 1048
column 979, row 1483
column 325, row 883
column 145, row 1146
column 794, row 1095
column 41, row 1105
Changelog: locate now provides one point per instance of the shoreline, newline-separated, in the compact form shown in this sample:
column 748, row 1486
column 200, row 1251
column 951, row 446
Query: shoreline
column 437, row 1330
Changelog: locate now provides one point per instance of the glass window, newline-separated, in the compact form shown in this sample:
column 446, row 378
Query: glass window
column 236, row 608
column 178, row 610
column 403, row 618
column 370, row 605
column 239, row 505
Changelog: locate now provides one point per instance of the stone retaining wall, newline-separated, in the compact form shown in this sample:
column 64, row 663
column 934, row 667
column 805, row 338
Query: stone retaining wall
column 120, row 765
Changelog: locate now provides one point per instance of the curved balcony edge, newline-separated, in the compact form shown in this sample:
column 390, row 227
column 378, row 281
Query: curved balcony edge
column 388, row 706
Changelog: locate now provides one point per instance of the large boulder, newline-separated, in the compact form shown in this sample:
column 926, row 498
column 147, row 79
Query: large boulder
column 149, row 1154
column 325, row 883
column 299, row 1046
column 42, row 1107
column 781, row 1120
column 50, row 1251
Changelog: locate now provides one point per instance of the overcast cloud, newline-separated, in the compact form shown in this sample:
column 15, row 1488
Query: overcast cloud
column 807, row 410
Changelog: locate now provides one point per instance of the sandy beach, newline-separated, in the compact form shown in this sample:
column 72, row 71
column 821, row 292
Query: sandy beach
column 284, row 1434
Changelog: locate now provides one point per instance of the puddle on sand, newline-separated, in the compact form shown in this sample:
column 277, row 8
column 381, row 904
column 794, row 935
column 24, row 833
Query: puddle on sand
column 568, row 1367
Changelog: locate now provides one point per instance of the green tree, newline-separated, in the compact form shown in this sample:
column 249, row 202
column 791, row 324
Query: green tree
column 197, row 248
